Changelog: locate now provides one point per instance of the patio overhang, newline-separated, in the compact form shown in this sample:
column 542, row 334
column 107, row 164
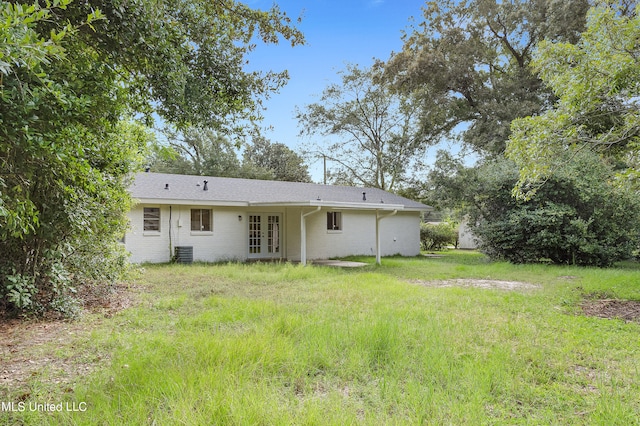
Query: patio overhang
column 335, row 205
column 301, row 204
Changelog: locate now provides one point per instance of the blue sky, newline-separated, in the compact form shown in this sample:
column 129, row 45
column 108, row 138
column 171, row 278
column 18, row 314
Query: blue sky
column 337, row 33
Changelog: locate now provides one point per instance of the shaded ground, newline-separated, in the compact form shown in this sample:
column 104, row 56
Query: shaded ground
column 47, row 350
column 30, row 349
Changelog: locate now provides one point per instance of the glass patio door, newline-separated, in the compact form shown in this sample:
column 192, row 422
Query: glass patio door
column 265, row 230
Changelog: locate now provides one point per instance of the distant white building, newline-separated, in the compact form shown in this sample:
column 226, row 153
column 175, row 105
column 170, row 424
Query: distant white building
column 466, row 239
column 216, row 219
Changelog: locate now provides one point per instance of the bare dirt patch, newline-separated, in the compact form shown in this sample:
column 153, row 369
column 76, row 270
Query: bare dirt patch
column 108, row 301
column 474, row 283
column 627, row 310
column 29, row 349
column 33, row 350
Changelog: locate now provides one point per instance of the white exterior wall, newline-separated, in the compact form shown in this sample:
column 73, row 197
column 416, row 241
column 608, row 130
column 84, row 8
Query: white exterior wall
column 357, row 237
column 227, row 241
column 147, row 246
column 400, row 234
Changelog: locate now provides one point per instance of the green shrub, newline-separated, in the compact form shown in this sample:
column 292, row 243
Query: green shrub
column 20, row 290
column 437, row 237
column 576, row 217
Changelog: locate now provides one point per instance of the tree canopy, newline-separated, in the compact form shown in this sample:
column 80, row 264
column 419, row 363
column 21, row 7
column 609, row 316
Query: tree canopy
column 468, row 63
column 597, row 81
column 205, row 152
column 194, row 151
column 277, row 159
column 377, row 141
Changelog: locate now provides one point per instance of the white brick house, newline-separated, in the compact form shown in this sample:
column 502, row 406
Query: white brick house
column 217, row 219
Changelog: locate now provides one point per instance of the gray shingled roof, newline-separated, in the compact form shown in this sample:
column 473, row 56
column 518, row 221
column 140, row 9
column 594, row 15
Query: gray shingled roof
column 151, row 186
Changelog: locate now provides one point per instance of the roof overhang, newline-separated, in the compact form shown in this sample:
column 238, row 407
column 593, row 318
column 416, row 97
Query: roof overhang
column 311, row 203
column 174, row 202
column 333, row 205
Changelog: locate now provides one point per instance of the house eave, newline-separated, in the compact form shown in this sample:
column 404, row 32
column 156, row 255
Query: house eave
column 332, row 204
column 177, row 202
column 340, row 205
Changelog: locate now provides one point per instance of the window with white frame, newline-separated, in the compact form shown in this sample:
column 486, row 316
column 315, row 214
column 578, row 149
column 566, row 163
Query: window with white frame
column 334, row 221
column 151, row 219
column 201, row 220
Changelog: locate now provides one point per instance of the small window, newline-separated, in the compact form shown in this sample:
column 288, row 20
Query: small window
column 201, row 220
column 334, row 221
column 151, row 219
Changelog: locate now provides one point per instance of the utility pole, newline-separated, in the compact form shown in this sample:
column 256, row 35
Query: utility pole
column 324, row 157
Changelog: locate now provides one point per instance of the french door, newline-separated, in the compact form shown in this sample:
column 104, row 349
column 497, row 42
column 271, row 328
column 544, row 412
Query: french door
column 265, row 231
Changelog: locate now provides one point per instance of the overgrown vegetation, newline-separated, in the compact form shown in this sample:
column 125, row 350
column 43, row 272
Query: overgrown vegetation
column 577, row 217
column 596, row 81
column 285, row 344
column 563, row 77
column 581, row 215
column 72, row 77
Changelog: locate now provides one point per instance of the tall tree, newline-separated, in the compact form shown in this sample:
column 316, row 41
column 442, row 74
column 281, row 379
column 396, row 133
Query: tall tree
column 377, row 139
column 276, row 158
column 72, row 75
column 449, row 184
column 597, row 81
column 194, row 151
column 205, row 152
column 468, row 62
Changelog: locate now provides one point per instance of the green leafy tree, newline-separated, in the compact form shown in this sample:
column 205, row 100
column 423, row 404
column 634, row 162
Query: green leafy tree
column 201, row 152
column 468, row 63
column 597, row 81
column 205, row 152
column 185, row 59
column 72, row 75
column 378, row 139
column 578, row 217
column 64, row 165
column 277, row 159
column 448, row 182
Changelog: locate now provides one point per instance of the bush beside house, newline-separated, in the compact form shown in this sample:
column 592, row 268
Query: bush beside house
column 437, row 236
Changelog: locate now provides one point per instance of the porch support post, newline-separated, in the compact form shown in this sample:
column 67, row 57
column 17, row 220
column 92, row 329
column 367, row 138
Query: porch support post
column 378, row 219
column 303, row 234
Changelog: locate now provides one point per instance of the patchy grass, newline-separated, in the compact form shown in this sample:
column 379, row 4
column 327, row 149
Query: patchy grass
column 285, row 344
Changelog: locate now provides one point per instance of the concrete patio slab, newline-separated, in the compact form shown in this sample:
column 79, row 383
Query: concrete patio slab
column 338, row 263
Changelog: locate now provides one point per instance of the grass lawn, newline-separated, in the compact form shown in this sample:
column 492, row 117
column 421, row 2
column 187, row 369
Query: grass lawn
column 285, row 344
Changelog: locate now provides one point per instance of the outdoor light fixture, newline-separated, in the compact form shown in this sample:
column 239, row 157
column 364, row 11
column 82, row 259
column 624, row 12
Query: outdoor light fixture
column 239, row 218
